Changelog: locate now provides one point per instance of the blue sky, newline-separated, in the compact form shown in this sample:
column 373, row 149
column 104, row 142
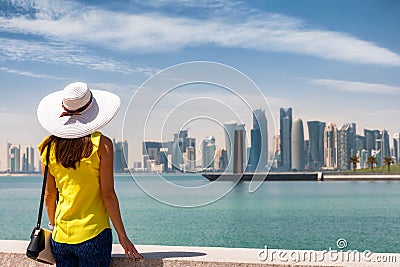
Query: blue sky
column 329, row 60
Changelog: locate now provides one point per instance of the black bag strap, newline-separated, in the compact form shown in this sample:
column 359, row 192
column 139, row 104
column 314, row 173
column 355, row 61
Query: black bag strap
column 46, row 170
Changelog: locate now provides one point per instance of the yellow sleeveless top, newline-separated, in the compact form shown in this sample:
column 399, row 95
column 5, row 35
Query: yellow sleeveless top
column 80, row 213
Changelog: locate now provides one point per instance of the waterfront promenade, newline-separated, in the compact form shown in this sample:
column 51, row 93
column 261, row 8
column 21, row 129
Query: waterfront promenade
column 361, row 177
column 12, row 253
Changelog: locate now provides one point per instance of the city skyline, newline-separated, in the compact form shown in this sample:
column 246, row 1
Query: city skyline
column 327, row 148
column 323, row 151
column 300, row 55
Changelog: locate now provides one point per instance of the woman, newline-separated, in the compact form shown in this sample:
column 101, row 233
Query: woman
column 81, row 174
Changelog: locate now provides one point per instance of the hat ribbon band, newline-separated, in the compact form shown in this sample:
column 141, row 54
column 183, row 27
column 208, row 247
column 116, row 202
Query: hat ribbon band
column 78, row 111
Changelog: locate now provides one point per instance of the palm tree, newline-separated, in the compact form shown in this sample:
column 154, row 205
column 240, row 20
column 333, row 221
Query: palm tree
column 388, row 161
column 372, row 161
column 354, row 160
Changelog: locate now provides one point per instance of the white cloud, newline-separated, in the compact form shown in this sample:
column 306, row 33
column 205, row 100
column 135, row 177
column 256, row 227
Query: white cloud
column 63, row 53
column 150, row 32
column 30, row 74
column 352, row 86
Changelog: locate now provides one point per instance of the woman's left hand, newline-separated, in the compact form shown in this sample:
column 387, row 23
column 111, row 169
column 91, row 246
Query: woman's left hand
column 130, row 250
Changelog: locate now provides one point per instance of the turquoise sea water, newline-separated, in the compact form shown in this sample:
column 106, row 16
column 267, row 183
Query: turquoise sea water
column 287, row 215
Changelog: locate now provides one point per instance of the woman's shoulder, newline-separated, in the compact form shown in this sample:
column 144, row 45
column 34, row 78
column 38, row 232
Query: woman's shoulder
column 105, row 140
column 105, row 143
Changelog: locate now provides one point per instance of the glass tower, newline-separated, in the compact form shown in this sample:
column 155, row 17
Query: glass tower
column 259, row 146
column 316, row 131
column 286, row 138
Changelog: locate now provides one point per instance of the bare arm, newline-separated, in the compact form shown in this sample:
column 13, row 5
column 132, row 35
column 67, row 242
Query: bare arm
column 50, row 196
column 110, row 199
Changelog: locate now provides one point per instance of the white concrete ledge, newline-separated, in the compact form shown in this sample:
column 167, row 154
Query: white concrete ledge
column 12, row 253
column 362, row 177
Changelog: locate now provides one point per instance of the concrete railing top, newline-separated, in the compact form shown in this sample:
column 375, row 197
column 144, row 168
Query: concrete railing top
column 12, row 253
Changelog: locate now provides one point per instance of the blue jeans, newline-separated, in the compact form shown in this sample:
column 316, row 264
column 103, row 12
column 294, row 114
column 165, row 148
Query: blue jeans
column 93, row 252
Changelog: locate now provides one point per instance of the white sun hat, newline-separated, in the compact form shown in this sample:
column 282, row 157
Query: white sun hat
column 77, row 111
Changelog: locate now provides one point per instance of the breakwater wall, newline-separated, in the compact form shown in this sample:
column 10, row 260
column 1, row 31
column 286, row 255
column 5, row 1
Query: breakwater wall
column 12, row 254
column 272, row 176
column 302, row 176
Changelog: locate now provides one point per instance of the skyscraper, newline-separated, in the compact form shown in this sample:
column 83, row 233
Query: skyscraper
column 286, row 138
column 8, row 157
column 15, row 158
column 31, row 158
column 244, row 144
column 385, row 145
column 208, row 152
column 346, row 145
column 181, row 136
column 297, row 145
column 163, row 157
column 238, row 157
column 361, row 152
column 370, row 139
column 190, row 150
column 120, row 156
column 330, row 146
column 190, row 159
column 152, row 150
column 24, row 167
column 396, row 146
column 221, row 159
column 276, row 152
column 28, row 160
column 179, row 146
column 177, row 157
column 382, row 147
column 378, row 155
column 306, row 153
column 316, row 136
column 230, row 128
column 260, row 151
column 363, row 157
column 255, row 150
column 360, row 142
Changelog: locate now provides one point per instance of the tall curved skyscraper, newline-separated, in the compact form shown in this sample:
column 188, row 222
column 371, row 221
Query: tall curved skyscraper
column 297, row 144
column 259, row 145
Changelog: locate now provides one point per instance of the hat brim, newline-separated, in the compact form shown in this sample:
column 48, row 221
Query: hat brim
column 103, row 108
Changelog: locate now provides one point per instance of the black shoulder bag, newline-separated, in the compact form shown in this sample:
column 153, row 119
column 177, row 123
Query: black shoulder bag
column 39, row 248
